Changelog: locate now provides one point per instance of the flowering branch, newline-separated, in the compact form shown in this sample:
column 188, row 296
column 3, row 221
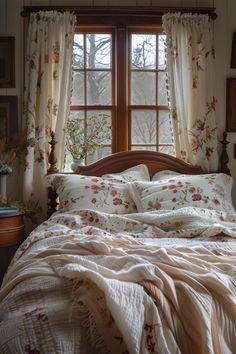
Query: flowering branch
column 13, row 149
column 84, row 137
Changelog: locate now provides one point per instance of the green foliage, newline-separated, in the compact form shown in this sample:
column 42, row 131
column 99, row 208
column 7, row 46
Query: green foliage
column 13, row 149
column 83, row 138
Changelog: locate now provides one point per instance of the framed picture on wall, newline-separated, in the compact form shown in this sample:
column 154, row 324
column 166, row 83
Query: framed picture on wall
column 233, row 52
column 231, row 105
column 8, row 117
column 7, row 62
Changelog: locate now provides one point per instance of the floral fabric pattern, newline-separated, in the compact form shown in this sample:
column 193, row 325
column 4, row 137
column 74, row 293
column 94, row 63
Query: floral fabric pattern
column 95, row 193
column 86, row 281
column 46, row 95
column 212, row 191
column 190, row 60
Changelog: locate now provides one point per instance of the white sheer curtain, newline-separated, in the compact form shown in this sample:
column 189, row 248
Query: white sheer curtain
column 190, row 58
column 46, row 97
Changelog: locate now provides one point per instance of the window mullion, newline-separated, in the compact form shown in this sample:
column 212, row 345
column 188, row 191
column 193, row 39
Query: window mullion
column 122, row 74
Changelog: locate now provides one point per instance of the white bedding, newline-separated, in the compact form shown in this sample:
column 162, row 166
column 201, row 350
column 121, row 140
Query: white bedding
column 90, row 282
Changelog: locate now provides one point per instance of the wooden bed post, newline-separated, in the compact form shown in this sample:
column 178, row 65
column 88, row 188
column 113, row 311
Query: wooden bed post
column 224, row 158
column 52, row 162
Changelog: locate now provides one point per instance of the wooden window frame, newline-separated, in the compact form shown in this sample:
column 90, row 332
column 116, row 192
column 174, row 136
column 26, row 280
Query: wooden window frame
column 121, row 27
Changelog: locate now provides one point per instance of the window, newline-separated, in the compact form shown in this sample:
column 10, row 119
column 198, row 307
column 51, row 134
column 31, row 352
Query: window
column 119, row 74
column 148, row 105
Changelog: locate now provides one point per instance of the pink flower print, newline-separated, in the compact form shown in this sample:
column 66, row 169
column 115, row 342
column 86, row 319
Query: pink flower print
column 95, row 187
column 174, row 200
column 94, row 201
column 157, row 205
column 55, row 57
column 46, row 58
column 172, row 186
column 113, row 193
column 216, row 201
column 95, row 180
column 117, row 201
column 86, row 187
column 24, row 247
column 192, row 189
column 222, row 218
column 209, row 151
column 201, row 126
column 164, row 187
column 195, row 145
column 196, row 197
column 91, row 219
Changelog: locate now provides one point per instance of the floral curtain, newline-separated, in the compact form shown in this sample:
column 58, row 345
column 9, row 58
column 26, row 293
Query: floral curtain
column 190, row 58
column 46, row 97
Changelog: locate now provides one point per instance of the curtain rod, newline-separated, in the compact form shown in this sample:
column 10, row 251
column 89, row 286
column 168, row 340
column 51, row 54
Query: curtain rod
column 154, row 11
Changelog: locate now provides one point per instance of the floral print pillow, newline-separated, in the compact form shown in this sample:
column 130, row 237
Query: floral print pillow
column 94, row 193
column 211, row 191
column 136, row 173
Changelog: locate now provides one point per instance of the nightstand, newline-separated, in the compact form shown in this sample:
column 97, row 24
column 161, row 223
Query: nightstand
column 11, row 235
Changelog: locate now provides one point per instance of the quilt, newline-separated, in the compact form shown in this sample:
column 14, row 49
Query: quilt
column 154, row 282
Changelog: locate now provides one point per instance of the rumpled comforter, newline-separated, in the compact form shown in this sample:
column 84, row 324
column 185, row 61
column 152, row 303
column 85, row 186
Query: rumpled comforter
column 89, row 282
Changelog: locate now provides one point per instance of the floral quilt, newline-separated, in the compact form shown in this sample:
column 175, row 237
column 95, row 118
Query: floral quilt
column 91, row 282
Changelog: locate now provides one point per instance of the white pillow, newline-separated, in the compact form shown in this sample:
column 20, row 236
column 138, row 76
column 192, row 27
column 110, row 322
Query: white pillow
column 212, row 191
column 94, row 193
column 164, row 174
column 136, row 173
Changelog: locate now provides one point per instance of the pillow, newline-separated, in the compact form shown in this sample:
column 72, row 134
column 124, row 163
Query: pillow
column 94, row 193
column 136, row 173
column 212, row 191
column 164, row 174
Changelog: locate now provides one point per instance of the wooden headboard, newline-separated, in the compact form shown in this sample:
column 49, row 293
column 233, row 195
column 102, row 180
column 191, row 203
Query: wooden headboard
column 120, row 161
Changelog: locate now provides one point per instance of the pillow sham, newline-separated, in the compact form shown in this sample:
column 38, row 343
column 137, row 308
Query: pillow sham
column 136, row 173
column 211, row 191
column 164, row 174
column 94, row 193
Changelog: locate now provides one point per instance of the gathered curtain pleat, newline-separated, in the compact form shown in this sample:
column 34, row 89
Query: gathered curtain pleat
column 46, row 98
column 190, row 64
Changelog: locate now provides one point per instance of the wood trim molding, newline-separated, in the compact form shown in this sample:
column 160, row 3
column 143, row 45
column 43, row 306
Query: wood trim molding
column 121, row 11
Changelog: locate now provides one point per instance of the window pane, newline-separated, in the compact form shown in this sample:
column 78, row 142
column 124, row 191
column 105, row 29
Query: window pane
column 143, row 49
column 143, row 88
column 104, row 124
column 99, row 88
column 165, row 131
column 144, row 147
column 77, row 89
column 143, row 125
column 167, row 150
column 99, row 153
column 98, row 50
column 68, row 157
column 162, row 91
column 161, row 52
column 78, row 51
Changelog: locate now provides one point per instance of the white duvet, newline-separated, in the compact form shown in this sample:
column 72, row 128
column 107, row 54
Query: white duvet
column 89, row 282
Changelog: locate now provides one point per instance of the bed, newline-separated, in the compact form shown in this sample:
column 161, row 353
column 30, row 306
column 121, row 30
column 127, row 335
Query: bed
column 139, row 257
